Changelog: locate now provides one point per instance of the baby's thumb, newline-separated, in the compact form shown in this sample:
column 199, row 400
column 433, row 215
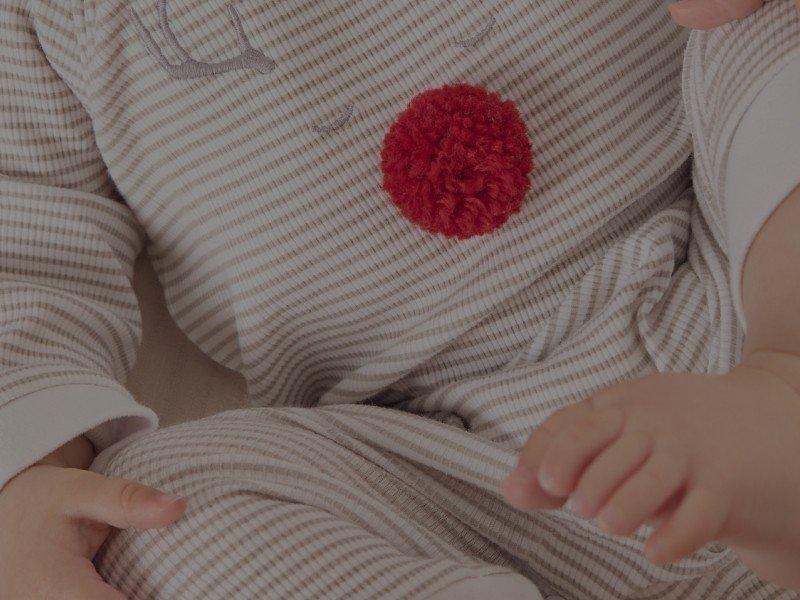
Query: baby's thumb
column 121, row 503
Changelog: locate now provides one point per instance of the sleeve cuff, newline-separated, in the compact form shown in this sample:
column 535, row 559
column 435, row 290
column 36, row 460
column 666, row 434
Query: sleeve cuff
column 763, row 166
column 34, row 425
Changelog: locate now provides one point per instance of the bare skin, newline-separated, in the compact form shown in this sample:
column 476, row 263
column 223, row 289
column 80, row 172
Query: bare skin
column 708, row 14
column 700, row 457
column 54, row 517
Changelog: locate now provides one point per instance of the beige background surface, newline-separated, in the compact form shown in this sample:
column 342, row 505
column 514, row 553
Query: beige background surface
column 172, row 376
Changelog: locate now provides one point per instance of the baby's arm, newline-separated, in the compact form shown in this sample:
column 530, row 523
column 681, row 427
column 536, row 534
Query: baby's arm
column 771, row 294
column 68, row 317
column 707, row 14
column 764, row 162
column 705, row 457
column 700, row 457
column 69, row 320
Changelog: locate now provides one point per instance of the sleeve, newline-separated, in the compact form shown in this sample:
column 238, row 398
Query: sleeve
column 69, row 321
column 763, row 166
column 741, row 87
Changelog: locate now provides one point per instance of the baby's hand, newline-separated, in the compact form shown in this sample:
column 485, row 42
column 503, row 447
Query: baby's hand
column 53, row 519
column 700, row 457
column 708, row 14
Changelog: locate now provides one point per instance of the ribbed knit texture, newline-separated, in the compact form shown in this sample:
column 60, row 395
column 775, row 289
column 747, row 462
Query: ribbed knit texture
column 282, row 257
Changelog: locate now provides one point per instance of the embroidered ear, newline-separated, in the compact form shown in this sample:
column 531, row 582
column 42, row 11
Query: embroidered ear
column 189, row 68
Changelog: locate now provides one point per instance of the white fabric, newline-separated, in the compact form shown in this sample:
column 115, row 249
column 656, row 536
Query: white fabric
column 48, row 418
column 763, row 166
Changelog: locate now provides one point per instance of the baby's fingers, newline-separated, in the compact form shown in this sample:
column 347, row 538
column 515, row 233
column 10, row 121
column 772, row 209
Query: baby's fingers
column 118, row 502
column 697, row 521
column 86, row 589
column 521, row 488
column 100, row 590
column 73, row 577
column 609, row 470
column 575, row 446
column 641, row 496
column 90, row 588
column 708, row 14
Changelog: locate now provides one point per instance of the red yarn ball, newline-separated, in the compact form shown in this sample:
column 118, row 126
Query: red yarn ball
column 457, row 161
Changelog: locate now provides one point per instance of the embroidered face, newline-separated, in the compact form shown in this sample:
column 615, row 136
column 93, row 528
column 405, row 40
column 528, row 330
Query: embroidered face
column 269, row 111
column 456, row 161
column 249, row 57
column 259, row 181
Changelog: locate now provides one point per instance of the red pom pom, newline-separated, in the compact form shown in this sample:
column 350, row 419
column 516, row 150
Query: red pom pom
column 457, row 161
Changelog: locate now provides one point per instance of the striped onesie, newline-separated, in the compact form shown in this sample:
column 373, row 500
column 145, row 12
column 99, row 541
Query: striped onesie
column 393, row 372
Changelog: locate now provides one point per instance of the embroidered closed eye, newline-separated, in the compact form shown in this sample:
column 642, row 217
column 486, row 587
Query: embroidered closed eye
column 477, row 38
column 347, row 114
column 190, row 68
column 248, row 57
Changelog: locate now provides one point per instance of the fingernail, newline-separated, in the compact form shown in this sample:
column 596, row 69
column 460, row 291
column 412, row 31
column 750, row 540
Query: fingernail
column 579, row 506
column 548, row 483
column 575, row 504
column 168, row 498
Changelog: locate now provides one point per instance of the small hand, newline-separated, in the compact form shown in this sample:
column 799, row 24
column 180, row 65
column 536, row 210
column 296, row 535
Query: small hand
column 708, row 14
column 700, row 457
column 53, row 519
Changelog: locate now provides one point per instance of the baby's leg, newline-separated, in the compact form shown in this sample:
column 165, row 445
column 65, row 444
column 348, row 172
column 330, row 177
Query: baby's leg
column 285, row 504
column 368, row 502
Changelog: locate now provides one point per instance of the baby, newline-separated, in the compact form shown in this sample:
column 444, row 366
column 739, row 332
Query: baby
column 421, row 282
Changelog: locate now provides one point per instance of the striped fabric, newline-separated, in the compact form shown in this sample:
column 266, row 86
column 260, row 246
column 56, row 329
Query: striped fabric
column 363, row 502
column 398, row 370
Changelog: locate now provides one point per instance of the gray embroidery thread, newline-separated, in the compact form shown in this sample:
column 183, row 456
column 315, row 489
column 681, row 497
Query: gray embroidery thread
column 188, row 67
column 347, row 114
column 474, row 40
